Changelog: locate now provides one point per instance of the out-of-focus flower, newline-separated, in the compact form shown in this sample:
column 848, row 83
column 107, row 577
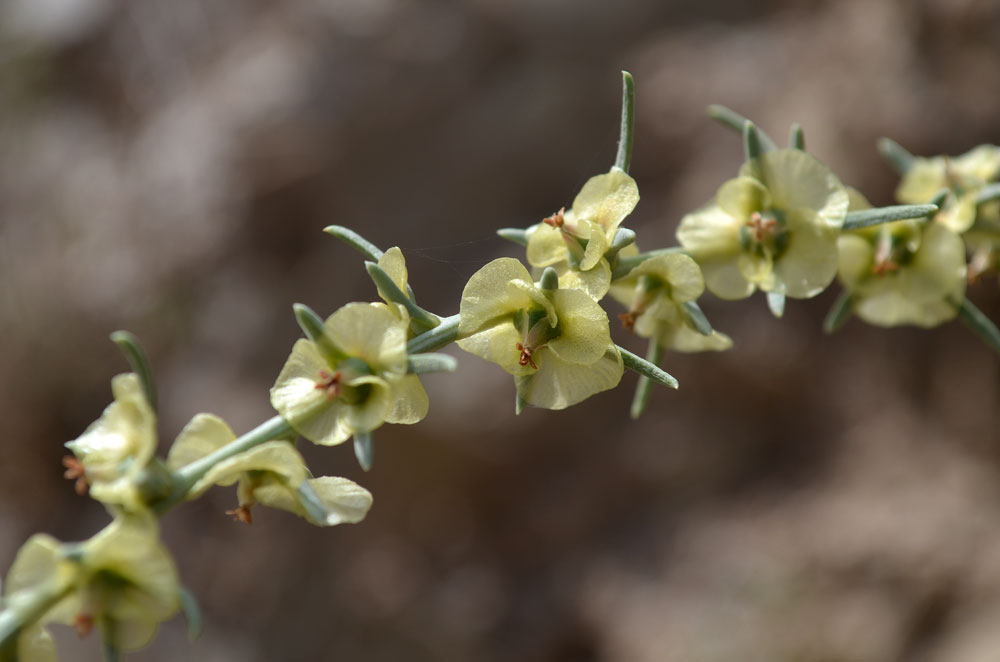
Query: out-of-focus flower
column 655, row 293
column 774, row 227
column 327, row 398
column 556, row 343
column 905, row 272
column 122, row 581
column 574, row 242
column 962, row 176
column 112, row 453
column 272, row 474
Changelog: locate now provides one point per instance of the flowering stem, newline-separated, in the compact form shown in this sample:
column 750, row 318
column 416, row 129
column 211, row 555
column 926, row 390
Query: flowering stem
column 28, row 610
column 856, row 220
column 624, row 157
column 443, row 334
column 187, row 476
column 643, row 388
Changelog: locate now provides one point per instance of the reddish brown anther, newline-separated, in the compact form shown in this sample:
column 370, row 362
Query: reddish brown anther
column 556, row 220
column 883, row 263
column 241, row 514
column 628, row 319
column 75, row 471
column 330, row 384
column 526, row 353
column 84, row 624
column 760, row 226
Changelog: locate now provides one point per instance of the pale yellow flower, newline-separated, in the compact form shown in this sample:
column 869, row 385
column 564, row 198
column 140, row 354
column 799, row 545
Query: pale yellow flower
column 654, row 293
column 962, row 176
column 774, row 227
column 574, row 242
column 122, row 581
column 272, row 474
column 556, row 343
column 116, row 448
column 329, row 398
column 904, row 272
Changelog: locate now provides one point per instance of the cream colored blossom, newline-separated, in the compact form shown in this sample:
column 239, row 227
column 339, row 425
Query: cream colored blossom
column 272, row 474
column 115, row 449
column 122, row 581
column 774, row 227
column 329, row 398
column 574, row 242
column 654, row 293
column 962, row 176
column 556, row 343
column 905, row 272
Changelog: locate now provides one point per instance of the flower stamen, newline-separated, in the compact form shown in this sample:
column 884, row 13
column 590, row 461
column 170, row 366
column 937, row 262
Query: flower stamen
column 526, row 353
column 75, row 471
column 628, row 319
column 241, row 514
column 83, row 623
column 761, row 226
column 556, row 220
column 329, row 384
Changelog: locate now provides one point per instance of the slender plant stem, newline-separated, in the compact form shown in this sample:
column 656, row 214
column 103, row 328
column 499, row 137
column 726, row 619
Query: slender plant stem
column 644, row 388
column 443, row 334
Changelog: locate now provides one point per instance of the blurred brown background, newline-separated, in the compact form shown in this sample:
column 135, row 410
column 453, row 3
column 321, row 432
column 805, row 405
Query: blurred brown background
column 166, row 167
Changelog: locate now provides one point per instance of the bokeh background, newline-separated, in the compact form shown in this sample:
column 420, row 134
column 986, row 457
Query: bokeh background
column 167, row 167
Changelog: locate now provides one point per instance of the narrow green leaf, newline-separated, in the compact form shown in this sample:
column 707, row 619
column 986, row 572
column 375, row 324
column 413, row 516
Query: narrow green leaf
column 644, row 367
column 697, row 318
column 109, row 650
column 751, row 142
column 315, row 330
column 192, row 612
column 736, row 122
column 624, row 157
column 939, row 198
column 364, row 449
column 895, row 155
column 139, row 361
column 441, row 335
column 988, row 193
column 418, row 364
column 549, row 280
column 627, row 264
column 980, row 324
column 640, row 400
column 623, row 237
column 797, row 137
column 517, row 235
column 355, row 241
column 856, row 220
column 776, row 302
column 840, row 312
column 388, row 288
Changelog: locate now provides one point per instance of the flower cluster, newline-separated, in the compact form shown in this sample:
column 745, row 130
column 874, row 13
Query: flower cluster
column 785, row 225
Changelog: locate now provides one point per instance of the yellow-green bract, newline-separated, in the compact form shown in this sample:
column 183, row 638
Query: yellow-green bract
column 905, row 272
column 329, row 398
column 575, row 242
column 556, row 344
column 122, row 581
column 774, row 227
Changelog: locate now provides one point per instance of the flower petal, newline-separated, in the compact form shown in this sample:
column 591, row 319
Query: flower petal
column 346, row 502
column 809, row 263
column 584, row 332
column 393, row 264
column 557, row 384
column 277, row 457
column 371, row 332
column 742, row 196
column 712, row 237
column 409, row 400
column 487, row 298
column 607, row 199
column 203, row 435
column 796, row 180
column 546, row 246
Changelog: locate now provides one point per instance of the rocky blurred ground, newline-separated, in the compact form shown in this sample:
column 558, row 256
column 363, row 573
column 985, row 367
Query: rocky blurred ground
column 167, row 168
